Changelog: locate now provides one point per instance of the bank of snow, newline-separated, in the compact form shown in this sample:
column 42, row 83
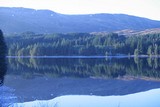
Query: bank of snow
column 143, row 99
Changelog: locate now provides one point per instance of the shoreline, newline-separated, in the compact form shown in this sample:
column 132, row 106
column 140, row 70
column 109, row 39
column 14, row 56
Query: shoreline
column 116, row 56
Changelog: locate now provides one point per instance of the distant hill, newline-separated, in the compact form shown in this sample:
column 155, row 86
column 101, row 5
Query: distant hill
column 17, row 20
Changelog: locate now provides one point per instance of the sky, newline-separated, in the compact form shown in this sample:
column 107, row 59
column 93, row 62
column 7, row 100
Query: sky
column 143, row 8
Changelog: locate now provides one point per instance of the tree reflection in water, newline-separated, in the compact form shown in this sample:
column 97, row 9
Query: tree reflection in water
column 84, row 68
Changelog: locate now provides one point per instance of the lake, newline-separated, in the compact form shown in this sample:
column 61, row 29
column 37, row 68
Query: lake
column 44, row 78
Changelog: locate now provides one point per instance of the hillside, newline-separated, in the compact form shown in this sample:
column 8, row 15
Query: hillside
column 129, row 32
column 17, row 20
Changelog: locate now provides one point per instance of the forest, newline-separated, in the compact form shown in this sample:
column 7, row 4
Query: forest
column 83, row 44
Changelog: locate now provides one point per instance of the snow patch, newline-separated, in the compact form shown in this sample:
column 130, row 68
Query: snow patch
column 142, row 99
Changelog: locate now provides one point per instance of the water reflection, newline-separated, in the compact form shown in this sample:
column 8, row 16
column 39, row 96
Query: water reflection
column 47, row 78
column 147, row 68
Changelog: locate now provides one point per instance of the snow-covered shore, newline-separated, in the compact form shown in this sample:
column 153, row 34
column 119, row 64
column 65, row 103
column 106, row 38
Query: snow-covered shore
column 143, row 99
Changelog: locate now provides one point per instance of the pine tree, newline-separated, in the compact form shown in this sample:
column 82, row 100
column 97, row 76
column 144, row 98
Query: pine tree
column 156, row 49
column 3, row 67
column 149, row 51
column 3, row 47
column 136, row 52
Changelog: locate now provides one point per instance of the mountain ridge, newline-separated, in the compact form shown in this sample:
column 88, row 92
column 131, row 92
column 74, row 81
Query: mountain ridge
column 18, row 20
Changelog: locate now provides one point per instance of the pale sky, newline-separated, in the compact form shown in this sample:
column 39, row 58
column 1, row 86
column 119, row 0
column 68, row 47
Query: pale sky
column 143, row 8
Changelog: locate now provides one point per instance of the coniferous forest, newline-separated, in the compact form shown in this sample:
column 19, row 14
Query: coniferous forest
column 89, row 44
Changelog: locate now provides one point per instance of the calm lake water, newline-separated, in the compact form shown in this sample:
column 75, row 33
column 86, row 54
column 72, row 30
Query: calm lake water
column 28, row 79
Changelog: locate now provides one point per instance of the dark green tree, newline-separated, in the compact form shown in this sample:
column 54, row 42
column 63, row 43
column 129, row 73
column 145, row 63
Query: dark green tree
column 3, row 67
column 3, row 47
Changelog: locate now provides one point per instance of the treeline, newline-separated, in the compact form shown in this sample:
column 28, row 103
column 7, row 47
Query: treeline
column 30, row 44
